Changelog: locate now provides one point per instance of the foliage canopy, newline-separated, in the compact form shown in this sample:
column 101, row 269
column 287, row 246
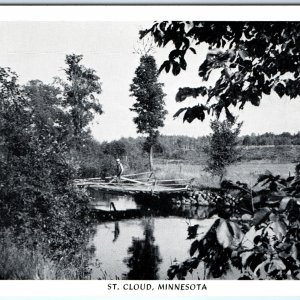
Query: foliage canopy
column 252, row 58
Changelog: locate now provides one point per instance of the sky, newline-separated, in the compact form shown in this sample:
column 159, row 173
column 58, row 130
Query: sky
column 36, row 50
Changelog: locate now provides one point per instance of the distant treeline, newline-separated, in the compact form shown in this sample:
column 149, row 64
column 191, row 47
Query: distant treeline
column 269, row 138
column 98, row 159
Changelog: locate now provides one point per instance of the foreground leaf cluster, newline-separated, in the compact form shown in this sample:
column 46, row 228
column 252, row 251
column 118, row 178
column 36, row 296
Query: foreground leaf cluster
column 257, row 238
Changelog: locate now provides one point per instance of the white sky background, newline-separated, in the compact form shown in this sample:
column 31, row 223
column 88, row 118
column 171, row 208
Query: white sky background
column 36, row 50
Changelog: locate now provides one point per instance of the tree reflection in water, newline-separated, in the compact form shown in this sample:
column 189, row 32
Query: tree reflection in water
column 116, row 231
column 144, row 255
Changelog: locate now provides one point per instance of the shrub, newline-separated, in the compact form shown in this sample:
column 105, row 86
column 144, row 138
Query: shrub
column 222, row 150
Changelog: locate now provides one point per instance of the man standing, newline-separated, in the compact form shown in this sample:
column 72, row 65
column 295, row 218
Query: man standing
column 120, row 168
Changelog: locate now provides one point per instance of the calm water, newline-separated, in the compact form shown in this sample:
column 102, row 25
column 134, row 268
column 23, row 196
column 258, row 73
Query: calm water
column 102, row 201
column 143, row 248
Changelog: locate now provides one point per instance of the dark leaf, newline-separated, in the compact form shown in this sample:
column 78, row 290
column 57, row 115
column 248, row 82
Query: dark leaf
column 196, row 112
column 193, row 50
column 261, row 215
column 174, row 54
column 172, row 271
column 254, row 260
column 179, row 112
column 182, row 63
column 191, row 263
column 185, row 92
column 264, row 177
column 229, row 116
column 194, row 247
column 165, row 66
column 175, row 68
column 257, row 239
column 280, row 89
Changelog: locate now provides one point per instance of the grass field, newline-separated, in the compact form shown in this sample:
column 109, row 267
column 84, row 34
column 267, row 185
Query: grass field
column 246, row 171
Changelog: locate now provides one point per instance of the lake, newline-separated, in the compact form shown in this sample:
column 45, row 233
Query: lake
column 146, row 247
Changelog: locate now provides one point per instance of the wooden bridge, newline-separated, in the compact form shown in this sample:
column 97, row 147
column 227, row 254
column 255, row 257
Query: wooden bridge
column 144, row 183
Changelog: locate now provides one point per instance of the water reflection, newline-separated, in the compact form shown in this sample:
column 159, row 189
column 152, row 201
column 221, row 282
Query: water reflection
column 144, row 248
column 116, row 231
column 144, row 256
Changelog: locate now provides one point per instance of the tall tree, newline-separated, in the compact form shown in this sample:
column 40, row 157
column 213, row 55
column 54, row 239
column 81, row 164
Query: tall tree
column 80, row 93
column 47, row 113
column 149, row 105
column 222, row 148
column 253, row 58
column 34, row 171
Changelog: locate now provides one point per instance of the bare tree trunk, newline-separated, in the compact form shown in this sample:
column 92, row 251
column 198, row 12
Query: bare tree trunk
column 151, row 158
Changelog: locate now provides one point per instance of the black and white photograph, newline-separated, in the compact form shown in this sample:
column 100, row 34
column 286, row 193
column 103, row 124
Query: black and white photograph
column 150, row 150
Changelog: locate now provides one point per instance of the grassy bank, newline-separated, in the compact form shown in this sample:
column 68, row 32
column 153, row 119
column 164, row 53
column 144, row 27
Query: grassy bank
column 246, row 171
column 19, row 262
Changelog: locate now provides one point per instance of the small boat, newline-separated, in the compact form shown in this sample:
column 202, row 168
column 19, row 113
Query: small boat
column 136, row 183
